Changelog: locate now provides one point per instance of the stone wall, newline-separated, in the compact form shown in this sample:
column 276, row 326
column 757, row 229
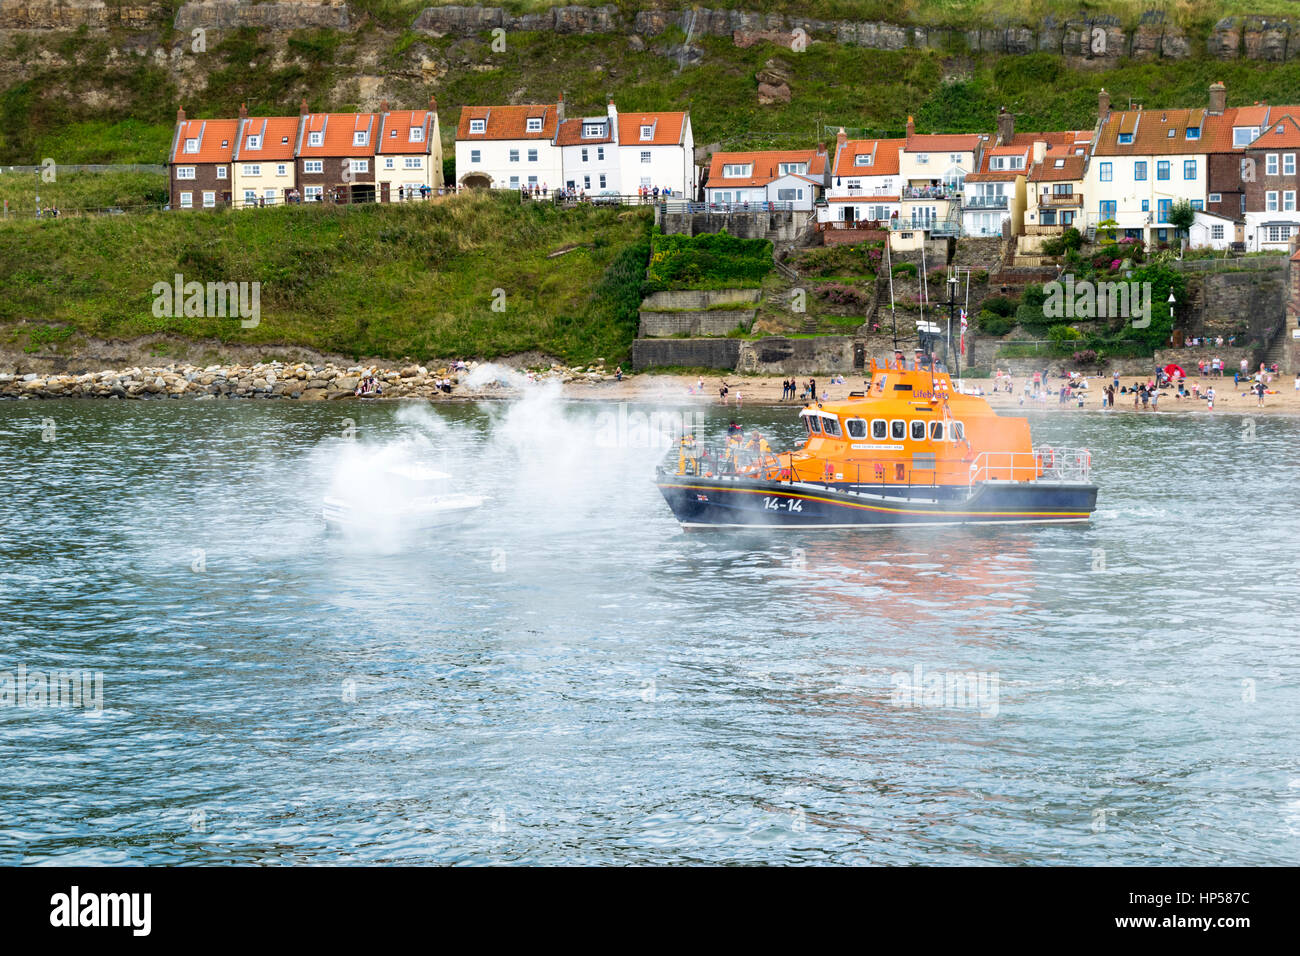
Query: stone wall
column 283, row 15
column 778, row 355
column 685, row 353
column 700, row 298
column 777, row 226
column 708, row 322
column 1221, row 301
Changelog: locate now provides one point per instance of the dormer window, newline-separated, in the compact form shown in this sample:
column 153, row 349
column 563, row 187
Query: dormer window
column 1193, row 132
column 864, row 159
column 1279, row 129
column 647, row 132
column 225, row 143
column 593, row 129
column 793, row 169
column 191, row 146
column 254, row 142
column 534, row 124
column 315, row 139
column 478, row 126
column 1125, row 139
column 284, row 140
column 360, row 137
column 1244, row 135
column 417, row 134
column 1059, row 163
column 1171, row 133
column 737, row 170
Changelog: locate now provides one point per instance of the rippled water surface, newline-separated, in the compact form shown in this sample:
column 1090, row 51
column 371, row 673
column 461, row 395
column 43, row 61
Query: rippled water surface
column 570, row 678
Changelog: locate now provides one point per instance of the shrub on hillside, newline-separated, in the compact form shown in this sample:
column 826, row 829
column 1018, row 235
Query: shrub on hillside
column 990, row 323
column 716, row 260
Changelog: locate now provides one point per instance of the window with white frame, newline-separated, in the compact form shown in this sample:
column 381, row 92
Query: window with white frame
column 316, row 139
column 1216, row 232
column 600, row 153
column 1288, row 200
column 1244, row 135
column 360, row 138
column 281, row 169
column 313, row 165
column 191, row 146
column 413, row 162
column 417, row 134
column 1270, row 164
column 388, row 162
column 788, row 169
column 514, row 156
column 863, row 159
column 478, row 126
column 184, row 172
column 789, row 195
column 1288, row 164
column 209, row 199
column 252, row 169
column 187, row 200
column 359, row 165
column 514, row 182
column 254, row 142
column 1216, row 197
column 590, row 130
column 312, row 193
column 1270, row 201
column 647, row 132
column 585, row 157
column 534, row 124
column 221, row 172
column 269, row 196
column 734, row 170
column 532, row 155
column 1278, row 233
column 645, row 156
column 602, row 181
column 922, row 159
column 586, row 182
column 250, row 197
column 475, row 156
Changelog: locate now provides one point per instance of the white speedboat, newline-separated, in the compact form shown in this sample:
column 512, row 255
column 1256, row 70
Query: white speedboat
column 401, row 498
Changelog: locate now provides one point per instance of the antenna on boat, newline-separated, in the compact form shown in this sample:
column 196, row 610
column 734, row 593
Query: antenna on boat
column 889, row 267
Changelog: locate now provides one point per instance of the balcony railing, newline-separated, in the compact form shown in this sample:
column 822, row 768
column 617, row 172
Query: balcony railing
column 1060, row 199
column 931, row 192
column 985, row 202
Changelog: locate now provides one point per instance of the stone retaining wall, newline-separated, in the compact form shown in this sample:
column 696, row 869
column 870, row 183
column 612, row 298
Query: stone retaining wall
column 711, row 322
column 685, row 353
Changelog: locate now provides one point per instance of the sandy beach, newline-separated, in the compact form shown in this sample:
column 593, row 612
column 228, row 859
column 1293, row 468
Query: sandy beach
column 766, row 390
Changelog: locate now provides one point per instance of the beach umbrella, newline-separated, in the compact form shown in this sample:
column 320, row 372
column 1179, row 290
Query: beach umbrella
column 1171, row 370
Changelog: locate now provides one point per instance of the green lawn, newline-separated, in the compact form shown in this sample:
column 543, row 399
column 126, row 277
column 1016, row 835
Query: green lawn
column 388, row 281
column 76, row 192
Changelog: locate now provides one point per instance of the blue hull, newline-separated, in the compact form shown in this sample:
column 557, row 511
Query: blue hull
column 746, row 503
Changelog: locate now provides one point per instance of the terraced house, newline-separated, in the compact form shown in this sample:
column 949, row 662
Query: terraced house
column 263, row 163
column 509, row 147
column 933, row 168
column 785, row 179
column 199, row 165
column 408, row 153
column 865, row 185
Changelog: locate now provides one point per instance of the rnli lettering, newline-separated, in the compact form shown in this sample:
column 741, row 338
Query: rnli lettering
column 876, row 447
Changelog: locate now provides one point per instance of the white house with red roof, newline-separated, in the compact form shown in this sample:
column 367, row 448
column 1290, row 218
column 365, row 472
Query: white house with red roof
column 509, row 147
column 865, row 184
column 1272, row 191
column 589, row 153
column 792, row 178
column 934, row 168
column 657, row 150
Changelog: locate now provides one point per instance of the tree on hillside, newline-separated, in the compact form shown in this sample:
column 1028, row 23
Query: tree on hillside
column 1181, row 217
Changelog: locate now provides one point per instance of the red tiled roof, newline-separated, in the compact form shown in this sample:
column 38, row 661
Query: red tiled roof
column 1270, row 138
column 668, row 128
column 1047, row 171
column 767, row 166
column 571, row 132
column 395, row 132
column 1151, row 128
column 508, row 122
column 938, row 142
column 884, row 164
column 279, row 138
column 339, row 130
column 211, row 134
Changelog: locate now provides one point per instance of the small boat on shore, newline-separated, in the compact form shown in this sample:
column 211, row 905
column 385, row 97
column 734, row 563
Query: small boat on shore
column 909, row 450
column 402, row 498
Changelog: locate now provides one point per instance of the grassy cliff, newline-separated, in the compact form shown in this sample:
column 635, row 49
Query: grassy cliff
column 418, row 281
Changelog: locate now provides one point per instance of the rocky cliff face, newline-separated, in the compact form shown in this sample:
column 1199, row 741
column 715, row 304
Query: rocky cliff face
column 1101, row 39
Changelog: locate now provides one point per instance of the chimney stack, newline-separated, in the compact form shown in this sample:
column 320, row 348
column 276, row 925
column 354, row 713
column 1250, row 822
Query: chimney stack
column 1006, row 126
column 612, row 112
column 433, row 103
column 821, row 149
column 180, row 114
column 1218, row 98
column 840, row 139
column 243, row 111
column 1103, row 105
column 559, row 109
column 383, row 106
column 911, row 127
column 302, row 107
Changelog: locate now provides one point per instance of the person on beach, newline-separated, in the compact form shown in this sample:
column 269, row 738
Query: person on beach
column 722, row 394
column 1260, row 388
column 812, row 388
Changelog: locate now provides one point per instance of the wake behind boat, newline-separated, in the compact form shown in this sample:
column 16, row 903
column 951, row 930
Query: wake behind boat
column 909, row 450
column 401, row 498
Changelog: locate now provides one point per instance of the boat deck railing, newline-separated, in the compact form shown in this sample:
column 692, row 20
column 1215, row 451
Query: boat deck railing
column 1047, row 462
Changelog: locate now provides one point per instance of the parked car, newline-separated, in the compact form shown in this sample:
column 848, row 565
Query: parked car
column 608, row 197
